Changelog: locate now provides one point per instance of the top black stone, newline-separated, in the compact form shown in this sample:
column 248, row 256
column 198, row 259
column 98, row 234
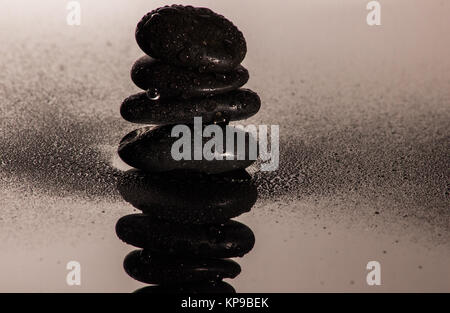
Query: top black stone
column 191, row 37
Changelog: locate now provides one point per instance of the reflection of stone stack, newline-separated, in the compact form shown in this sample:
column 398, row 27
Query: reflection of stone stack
column 185, row 229
column 192, row 69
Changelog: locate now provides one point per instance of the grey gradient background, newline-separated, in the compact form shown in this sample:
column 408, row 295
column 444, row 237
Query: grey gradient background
column 364, row 117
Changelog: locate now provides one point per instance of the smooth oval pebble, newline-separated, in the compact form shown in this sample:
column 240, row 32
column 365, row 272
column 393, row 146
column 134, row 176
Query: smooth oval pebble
column 231, row 106
column 150, row 149
column 227, row 240
column 191, row 198
column 168, row 81
column 191, row 37
column 220, row 287
column 153, row 269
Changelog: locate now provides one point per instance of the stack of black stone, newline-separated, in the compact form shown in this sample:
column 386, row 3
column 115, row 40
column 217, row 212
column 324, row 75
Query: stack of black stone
column 192, row 69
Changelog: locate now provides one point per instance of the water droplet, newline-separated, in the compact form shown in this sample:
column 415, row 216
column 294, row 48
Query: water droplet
column 184, row 56
column 221, row 77
column 153, row 94
column 221, row 119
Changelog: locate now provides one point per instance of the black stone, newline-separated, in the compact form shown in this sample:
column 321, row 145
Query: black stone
column 231, row 106
column 168, row 81
column 227, row 240
column 219, row 287
column 191, row 37
column 152, row 269
column 192, row 198
column 149, row 149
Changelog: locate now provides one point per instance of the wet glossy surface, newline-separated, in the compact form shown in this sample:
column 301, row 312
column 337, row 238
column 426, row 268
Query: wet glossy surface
column 192, row 198
column 162, row 149
column 231, row 106
column 179, row 251
column 227, row 240
column 191, row 37
column 162, row 270
column 170, row 81
column 363, row 117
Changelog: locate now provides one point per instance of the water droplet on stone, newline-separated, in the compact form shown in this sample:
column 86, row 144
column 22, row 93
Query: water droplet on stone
column 183, row 56
column 153, row 94
column 221, row 119
column 221, row 77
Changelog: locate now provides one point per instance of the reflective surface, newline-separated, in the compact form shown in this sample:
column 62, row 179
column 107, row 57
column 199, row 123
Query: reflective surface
column 185, row 232
column 363, row 115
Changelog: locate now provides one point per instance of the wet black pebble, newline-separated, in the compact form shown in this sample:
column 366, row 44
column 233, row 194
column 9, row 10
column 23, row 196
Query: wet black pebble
column 230, row 239
column 189, row 198
column 153, row 269
column 150, row 149
column 231, row 106
column 191, row 37
column 164, row 80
